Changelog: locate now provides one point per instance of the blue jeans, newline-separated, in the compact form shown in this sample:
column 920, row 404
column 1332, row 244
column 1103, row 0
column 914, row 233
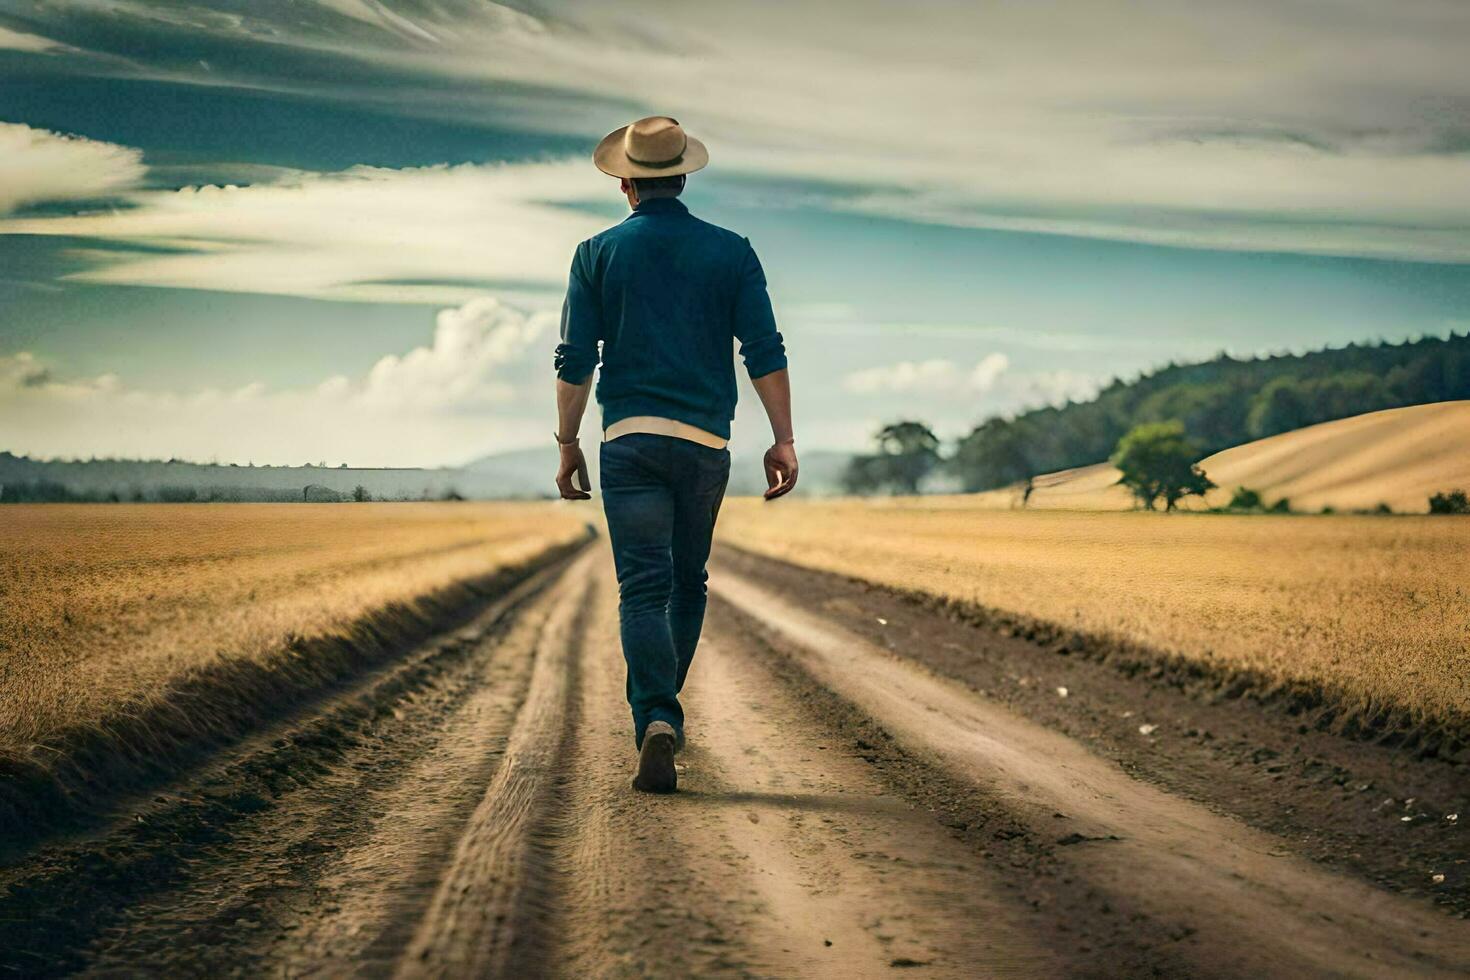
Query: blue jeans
column 661, row 496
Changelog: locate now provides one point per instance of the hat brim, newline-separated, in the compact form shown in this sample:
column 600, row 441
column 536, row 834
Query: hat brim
column 612, row 160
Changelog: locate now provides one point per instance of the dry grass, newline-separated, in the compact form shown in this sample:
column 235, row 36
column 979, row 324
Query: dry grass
column 1374, row 609
column 105, row 608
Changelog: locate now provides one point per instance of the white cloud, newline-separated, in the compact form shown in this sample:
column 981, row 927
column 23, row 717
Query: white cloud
column 413, row 235
column 33, row 43
column 985, row 374
column 461, row 370
column 1052, row 387
column 1250, row 126
column 937, row 376
column 38, row 165
column 905, row 376
column 448, row 401
column 1099, row 118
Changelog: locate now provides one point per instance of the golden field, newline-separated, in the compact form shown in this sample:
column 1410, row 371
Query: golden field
column 1375, row 607
column 103, row 606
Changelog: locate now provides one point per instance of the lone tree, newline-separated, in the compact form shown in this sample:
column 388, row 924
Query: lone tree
column 907, row 452
column 1158, row 461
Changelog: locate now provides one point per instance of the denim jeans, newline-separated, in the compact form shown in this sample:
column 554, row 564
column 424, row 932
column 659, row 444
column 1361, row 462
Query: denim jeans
column 661, row 496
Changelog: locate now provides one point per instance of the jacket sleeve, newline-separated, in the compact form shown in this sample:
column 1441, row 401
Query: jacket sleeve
column 581, row 323
column 755, row 324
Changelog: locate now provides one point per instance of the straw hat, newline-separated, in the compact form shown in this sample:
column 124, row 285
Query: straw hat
column 652, row 147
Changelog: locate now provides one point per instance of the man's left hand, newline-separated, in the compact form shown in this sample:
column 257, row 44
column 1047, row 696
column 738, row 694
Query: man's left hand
column 573, row 462
column 780, row 466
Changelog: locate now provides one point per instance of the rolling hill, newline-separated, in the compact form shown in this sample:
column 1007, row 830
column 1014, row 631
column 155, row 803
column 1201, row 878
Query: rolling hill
column 1398, row 456
column 1224, row 402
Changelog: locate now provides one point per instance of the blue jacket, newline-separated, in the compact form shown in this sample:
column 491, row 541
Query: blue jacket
column 666, row 295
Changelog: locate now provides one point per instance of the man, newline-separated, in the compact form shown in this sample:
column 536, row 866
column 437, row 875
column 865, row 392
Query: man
column 665, row 295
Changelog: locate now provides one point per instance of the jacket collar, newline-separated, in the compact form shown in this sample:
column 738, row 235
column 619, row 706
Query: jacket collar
column 660, row 205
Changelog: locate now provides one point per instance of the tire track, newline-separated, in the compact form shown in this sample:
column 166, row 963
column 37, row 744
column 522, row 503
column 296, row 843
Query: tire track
column 481, row 918
column 378, row 889
column 852, row 880
column 1244, row 905
column 640, row 884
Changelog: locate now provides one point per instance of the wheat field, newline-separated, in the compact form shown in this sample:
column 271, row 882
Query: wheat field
column 1376, row 607
column 103, row 607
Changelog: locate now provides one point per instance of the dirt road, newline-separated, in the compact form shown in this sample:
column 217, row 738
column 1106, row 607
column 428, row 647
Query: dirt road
column 844, row 811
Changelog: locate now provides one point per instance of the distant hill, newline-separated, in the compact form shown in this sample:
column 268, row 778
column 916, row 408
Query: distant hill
column 1223, row 402
column 1398, row 456
column 152, row 480
column 514, row 475
column 518, row 472
column 526, row 471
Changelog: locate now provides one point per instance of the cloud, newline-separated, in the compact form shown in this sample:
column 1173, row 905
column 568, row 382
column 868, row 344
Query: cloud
column 461, row 369
column 988, row 371
column 38, row 165
column 33, row 43
column 933, row 375
column 1053, row 387
column 428, row 234
column 450, row 400
column 1246, row 126
column 937, row 376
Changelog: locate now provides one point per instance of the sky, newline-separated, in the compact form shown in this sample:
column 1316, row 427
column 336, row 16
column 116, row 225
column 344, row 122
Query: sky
column 293, row 231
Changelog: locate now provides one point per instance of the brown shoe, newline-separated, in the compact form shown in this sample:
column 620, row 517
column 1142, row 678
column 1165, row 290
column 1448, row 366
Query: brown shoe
column 656, row 760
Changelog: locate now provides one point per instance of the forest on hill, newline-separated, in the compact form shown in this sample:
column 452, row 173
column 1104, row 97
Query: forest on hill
column 1221, row 403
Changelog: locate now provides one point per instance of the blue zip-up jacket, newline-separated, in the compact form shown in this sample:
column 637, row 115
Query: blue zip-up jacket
column 666, row 295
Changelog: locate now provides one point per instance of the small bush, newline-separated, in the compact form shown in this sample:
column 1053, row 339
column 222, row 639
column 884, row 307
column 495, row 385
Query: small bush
column 1282, row 506
column 1450, row 502
column 1383, row 508
column 1329, row 509
column 1244, row 498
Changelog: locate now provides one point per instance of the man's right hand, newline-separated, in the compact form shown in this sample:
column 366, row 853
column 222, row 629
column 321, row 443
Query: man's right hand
column 573, row 462
column 780, row 463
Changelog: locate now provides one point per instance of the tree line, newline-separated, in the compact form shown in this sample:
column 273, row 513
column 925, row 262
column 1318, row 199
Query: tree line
column 1217, row 404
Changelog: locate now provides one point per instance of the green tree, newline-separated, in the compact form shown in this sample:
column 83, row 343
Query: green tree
column 911, row 450
column 996, row 453
column 907, row 453
column 1278, row 407
column 862, row 476
column 1157, row 461
column 1450, row 502
column 1291, row 403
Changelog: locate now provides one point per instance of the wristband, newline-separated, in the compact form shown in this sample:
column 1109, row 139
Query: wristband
column 570, row 442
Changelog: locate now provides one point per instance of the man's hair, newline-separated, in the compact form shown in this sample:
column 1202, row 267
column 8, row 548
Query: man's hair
column 652, row 187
